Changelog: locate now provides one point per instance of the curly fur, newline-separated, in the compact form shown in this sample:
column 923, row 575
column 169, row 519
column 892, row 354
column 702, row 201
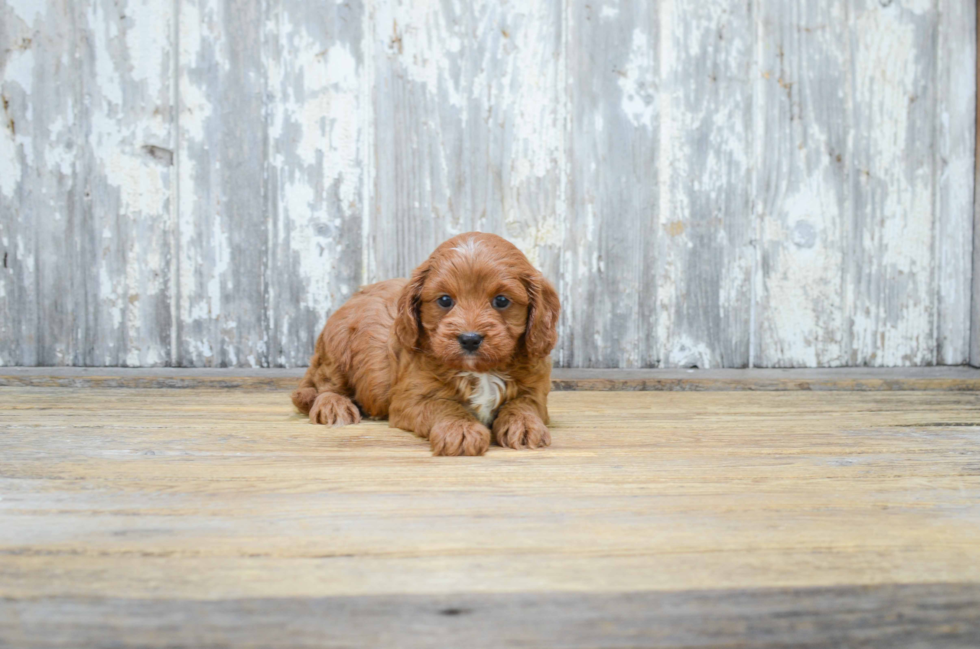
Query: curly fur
column 392, row 351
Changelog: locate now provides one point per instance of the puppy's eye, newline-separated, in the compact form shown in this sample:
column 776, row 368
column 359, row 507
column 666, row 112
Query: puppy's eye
column 445, row 301
column 501, row 302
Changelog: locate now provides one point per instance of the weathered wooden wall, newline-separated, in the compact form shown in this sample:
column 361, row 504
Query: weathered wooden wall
column 710, row 182
column 975, row 320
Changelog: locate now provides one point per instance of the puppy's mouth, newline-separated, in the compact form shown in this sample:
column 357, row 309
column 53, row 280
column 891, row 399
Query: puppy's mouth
column 471, row 357
column 475, row 361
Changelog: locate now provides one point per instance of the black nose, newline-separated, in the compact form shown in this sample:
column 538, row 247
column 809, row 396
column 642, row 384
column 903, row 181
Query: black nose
column 470, row 341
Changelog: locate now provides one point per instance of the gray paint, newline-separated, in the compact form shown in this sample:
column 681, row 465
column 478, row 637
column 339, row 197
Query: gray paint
column 801, row 205
column 609, row 287
column 975, row 318
column 954, row 157
column 469, row 129
column 890, row 297
column 85, row 208
column 705, row 270
column 222, row 256
column 318, row 102
column 715, row 183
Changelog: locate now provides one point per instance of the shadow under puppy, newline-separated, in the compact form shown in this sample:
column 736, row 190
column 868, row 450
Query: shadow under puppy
column 457, row 351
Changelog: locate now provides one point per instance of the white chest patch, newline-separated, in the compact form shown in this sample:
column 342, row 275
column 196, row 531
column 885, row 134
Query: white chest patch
column 488, row 393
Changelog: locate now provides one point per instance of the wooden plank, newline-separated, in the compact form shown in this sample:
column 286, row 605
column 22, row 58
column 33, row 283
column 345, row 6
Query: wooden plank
column 908, row 615
column 837, row 379
column 155, row 516
column 282, row 380
column 801, row 153
column 608, row 293
column 310, row 136
column 86, row 196
column 124, row 157
column 817, row 380
column 319, row 120
column 975, row 298
column 38, row 193
column 469, row 130
column 76, row 467
column 890, row 288
column 223, row 242
column 705, row 259
column 955, row 127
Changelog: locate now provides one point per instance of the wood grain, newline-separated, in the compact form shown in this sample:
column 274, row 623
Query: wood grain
column 608, row 292
column 221, row 513
column 223, row 242
column 318, row 111
column 975, row 311
column 939, row 379
column 802, row 154
column 705, row 264
column 36, row 56
column 892, row 234
column 121, row 289
column 468, row 129
column 937, row 616
column 87, row 183
column 956, row 93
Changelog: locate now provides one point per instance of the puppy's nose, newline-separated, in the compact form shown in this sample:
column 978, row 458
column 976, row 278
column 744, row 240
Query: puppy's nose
column 470, row 341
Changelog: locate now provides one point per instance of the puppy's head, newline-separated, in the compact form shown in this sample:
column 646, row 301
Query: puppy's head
column 476, row 304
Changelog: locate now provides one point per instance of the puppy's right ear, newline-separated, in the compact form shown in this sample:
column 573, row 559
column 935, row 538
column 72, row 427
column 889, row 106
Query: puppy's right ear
column 542, row 316
column 408, row 319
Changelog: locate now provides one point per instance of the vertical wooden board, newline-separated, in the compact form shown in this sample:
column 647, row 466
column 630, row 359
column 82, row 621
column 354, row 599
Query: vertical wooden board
column 87, row 243
column 86, row 166
column 956, row 93
column 223, row 231
column 469, row 129
column 975, row 299
column 801, row 156
column 22, row 59
column 38, row 192
column 318, row 120
column 124, row 157
column 705, row 243
column 609, row 288
column 891, row 291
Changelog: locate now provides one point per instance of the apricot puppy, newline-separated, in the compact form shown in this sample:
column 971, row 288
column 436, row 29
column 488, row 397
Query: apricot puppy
column 458, row 354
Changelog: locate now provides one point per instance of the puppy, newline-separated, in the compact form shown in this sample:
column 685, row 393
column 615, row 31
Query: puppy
column 457, row 351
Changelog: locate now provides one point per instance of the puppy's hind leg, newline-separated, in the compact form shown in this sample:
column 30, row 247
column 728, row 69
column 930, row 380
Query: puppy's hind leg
column 303, row 398
column 320, row 396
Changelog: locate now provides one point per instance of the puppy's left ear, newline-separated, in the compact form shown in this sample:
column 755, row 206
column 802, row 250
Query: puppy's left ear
column 543, row 308
column 408, row 320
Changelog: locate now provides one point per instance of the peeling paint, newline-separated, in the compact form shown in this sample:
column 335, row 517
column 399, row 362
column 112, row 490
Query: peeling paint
column 15, row 150
column 19, row 69
column 638, row 82
column 710, row 184
column 956, row 93
column 609, row 11
column 10, row 169
column 894, row 190
column 26, row 10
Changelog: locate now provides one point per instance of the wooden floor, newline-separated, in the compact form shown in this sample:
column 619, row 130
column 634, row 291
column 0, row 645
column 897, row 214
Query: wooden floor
column 212, row 518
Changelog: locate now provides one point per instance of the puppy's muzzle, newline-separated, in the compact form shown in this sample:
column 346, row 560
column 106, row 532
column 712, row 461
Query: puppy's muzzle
column 470, row 341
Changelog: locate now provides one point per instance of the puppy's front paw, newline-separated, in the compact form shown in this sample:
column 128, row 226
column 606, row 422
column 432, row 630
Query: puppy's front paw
column 334, row 410
column 521, row 429
column 459, row 437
